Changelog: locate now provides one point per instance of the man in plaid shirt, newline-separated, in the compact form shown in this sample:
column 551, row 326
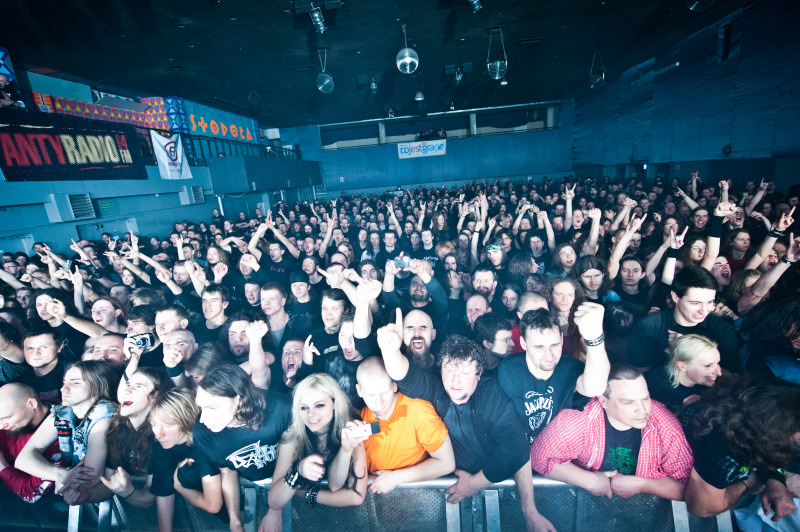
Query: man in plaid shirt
column 622, row 443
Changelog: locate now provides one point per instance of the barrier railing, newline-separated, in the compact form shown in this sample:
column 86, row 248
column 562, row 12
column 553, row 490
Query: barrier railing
column 422, row 506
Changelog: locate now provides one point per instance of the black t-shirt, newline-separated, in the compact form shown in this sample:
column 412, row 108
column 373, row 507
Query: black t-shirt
column 162, row 466
column 203, row 334
column 485, row 432
column 278, row 271
column 713, row 461
column 48, row 387
column 252, row 453
column 638, row 302
column 622, row 449
column 662, row 391
column 536, row 401
column 650, row 339
column 310, row 311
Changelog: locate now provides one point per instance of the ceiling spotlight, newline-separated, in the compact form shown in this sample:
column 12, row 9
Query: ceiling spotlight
column 504, row 82
column 597, row 72
column 317, row 19
column 476, row 5
column 419, row 96
column 497, row 67
column 407, row 59
column 391, row 112
column 452, row 106
column 373, row 85
column 324, row 80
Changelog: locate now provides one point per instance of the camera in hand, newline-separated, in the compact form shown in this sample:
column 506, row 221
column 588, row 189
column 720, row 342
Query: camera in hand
column 143, row 340
column 402, row 262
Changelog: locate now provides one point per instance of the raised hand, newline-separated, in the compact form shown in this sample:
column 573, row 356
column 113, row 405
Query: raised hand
column 368, row 291
column 786, row 221
column 256, row 330
column 589, row 319
column 309, row 350
column 725, row 209
column 390, row 336
column 676, row 241
column 249, row 260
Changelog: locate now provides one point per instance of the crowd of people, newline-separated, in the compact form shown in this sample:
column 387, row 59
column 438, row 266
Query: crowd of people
column 622, row 336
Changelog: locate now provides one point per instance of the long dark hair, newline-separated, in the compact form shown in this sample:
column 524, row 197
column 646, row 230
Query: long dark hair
column 231, row 381
column 131, row 447
column 757, row 416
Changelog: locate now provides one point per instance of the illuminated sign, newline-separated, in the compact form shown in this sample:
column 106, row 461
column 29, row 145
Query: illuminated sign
column 209, row 122
column 42, row 147
column 426, row 148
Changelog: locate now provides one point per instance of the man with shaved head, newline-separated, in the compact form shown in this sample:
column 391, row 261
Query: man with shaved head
column 413, row 443
column 21, row 413
column 418, row 336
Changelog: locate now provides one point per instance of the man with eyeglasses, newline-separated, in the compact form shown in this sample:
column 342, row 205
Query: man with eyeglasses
column 487, row 436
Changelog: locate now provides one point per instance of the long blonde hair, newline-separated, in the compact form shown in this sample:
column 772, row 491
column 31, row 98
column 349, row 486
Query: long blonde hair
column 342, row 413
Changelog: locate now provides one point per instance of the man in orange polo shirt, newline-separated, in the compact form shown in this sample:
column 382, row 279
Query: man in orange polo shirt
column 413, row 443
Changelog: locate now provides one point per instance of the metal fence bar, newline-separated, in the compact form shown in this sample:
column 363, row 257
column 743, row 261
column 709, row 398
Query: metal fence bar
column 492, row 503
column 680, row 516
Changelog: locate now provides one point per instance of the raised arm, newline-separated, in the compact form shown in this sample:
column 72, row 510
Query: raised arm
column 366, row 293
column 590, row 246
column 421, row 216
column 589, row 319
column 622, row 245
column 763, row 284
column 568, row 196
column 721, row 213
column 522, row 210
column 723, row 185
column 542, row 218
column 259, row 360
column 259, row 233
column 390, row 339
column 689, row 201
column 397, row 227
column 56, row 309
column 326, row 239
column 751, row 205
column 776, row 231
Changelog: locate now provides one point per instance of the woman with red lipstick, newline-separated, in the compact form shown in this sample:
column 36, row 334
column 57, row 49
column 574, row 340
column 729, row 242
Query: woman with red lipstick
column 130, row 437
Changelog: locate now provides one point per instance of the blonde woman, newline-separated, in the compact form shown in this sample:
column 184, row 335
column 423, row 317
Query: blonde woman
column 315, row 446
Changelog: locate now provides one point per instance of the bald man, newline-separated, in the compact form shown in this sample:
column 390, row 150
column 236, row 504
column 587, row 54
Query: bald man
column 21, row 413
column 418, row 336
column 413, row 443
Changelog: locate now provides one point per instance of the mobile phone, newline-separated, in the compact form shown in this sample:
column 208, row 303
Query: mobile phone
column 367, row 430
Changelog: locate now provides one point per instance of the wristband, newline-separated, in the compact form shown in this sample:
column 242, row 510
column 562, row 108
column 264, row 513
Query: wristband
column 311, row 495
column 673, row 253
column 177, row 371
column 597, row 341
column 128, row 495
column 292, row 476
column 787, row 261
column 776, row 233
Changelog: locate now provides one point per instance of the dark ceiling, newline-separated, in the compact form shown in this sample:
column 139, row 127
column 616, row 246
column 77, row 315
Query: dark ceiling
column 259, row 58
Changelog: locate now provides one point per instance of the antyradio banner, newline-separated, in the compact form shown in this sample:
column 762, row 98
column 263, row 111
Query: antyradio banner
column 426, row 148
column 172, row 163
column 44, row 147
